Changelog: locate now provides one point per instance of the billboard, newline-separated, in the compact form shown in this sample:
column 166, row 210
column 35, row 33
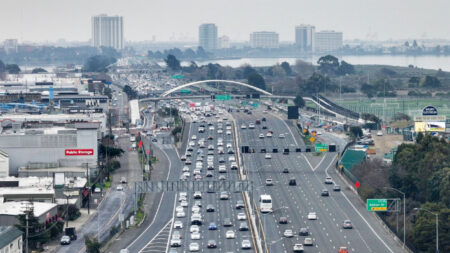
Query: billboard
column 293, row 112
column 432, row 126
column 429, row 110
column 78, row 152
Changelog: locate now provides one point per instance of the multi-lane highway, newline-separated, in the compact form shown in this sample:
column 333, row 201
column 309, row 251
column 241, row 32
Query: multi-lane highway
column 295, row 202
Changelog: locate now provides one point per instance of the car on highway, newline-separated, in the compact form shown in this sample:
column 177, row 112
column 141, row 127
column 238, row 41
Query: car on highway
column 188, row 162
column 210, row 208
column 194, row 137
column 336, row 188
column 175, row 242
column 195, row 236
column 312, row 216
column 343, row 250
column 298, row 248
column 230, row 234
column 269, row 134
column 181, row 214
column 283, row 220
column 264, row 127
column 123, row 180
column 209, row 174
column 197, row 195
column 251, row 126
column 303, row 232
column 292, row 182
column 119, row 188
column 195, row 209
column 243, row 226
column 65, row 240
column 176, row 234
column 233, row 166
column 212, row 244
column 285, row 170
column 185, row 169
column 194, row 228
column 268, row 156
column 224, row 196
column 178, row 224
column 194, row 247
column 243, row 126
column 328, row 180
column 288, row 233
column 308, row 241
column 240, row 204
column 281, row 136
column 379, row 133
column 325, row 193
column 222, row 169
column 261, row 136
column 220, row 131
column 212, row 226
column 241, row 216
column 347, row 224
column 246, row 244
column 184, row 203
column 228, row 132
column 269, row 182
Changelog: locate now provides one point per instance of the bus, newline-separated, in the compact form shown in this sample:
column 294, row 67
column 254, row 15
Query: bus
column 265, row 203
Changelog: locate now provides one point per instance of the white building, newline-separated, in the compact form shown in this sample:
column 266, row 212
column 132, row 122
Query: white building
column 264, row 40
column 11, row 239
column 4, row 165
column 305, row 38
column 10, row 46
column 207, row 36
column 328, row 41
column 224, row 42
column 107, row 31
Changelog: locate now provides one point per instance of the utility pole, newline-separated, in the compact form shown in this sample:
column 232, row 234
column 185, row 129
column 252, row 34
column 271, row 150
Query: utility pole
column 88, row 188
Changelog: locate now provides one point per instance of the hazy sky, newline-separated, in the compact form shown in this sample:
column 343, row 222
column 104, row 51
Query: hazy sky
column 51, row 20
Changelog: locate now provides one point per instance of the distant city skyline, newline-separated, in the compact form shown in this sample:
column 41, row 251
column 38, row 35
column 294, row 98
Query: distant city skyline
column 53, row 20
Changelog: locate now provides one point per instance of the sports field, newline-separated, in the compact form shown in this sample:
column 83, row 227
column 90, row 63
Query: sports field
column 410, row 106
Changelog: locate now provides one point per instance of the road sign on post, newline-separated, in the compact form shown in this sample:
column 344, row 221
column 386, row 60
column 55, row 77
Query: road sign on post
column 185, row 91
column 321, row 147
column 177, row 76
column 377, row 205
column 223, row 97
column 312, row 139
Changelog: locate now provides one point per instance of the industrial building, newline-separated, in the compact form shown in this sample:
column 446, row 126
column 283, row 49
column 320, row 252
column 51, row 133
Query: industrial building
column 11, row 239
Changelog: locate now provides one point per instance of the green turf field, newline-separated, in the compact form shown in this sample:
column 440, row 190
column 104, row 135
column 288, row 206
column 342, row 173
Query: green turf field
column 411, row 106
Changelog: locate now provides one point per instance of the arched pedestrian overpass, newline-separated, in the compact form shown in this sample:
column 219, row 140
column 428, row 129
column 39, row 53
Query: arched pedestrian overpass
column 166, row 93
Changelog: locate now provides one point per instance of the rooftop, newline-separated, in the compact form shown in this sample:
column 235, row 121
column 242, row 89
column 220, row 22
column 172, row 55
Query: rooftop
column 17, row 208
column 8, row 234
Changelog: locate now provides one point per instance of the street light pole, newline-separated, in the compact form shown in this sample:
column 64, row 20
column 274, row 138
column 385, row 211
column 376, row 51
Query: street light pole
column 404, row 213
column 437, row 225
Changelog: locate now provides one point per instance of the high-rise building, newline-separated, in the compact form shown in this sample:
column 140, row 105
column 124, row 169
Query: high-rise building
column 207, row 36
column 224, row 42
column 264, row 40
column 328, row 41
column 304, row 37
column 10, row 46
column 107, row 31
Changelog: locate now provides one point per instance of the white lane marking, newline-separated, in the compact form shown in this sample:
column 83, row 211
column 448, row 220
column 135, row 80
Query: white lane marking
column 159, row 204
column 289, row 129
column 171, row 225
column 142, row 250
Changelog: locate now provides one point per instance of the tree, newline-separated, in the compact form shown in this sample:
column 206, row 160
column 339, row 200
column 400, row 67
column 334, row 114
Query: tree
column 2, row 67
column 172, row 62
column 248, row 70
column 256, row 80
column 401, row 116
column 107, row 92
column 355, row 132
column 328, row 64
column 431, row 82
column 345, row 68
column 12, row 68
column 131, row 93
column 38, row 70
column 369, row 90
column 406, row 44
column 98, row 63
column 92, row 245
column 298, row 101
column 287, row 68
column 314, row 84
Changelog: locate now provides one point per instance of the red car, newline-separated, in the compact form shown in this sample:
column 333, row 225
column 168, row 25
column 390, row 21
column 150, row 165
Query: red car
column 343, row 250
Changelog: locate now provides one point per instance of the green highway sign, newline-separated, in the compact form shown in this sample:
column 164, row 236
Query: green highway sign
column 255, row 105
column 184, row 91
column 223, row 97
column 177, row 76
column 376, row 205
column 321, row 147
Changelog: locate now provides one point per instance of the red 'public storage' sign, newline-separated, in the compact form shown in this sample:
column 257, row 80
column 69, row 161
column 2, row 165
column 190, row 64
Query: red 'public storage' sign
column 79, row 152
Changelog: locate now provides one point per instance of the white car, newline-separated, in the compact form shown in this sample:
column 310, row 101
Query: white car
column 178, row 224
column 179, row 209
column 184, row 203
column 187, row 174
column 251, row 126
column 379, row 133
column 243, row 126
column 328, row 180
column 220, row 131
column 211, row 128
column 241, row 216
column 119, row 187
column 175, row 242
column 268, row 156
column 312, row 216
column 194, row 137
column 231, row 159
column 195, row 236
column 185, row 169
column 246, row 244
column 194, row 247
column 269, row 134
column 222, row 169
column 281, row 136
column 230, row 234
column 261, row 136
column 228, row 132
column 181, row 214
column 196, row 209
column 229, row 145
column 194, row 228
column 288, row 233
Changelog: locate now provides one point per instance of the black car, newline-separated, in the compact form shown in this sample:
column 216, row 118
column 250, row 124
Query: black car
column 209, row 208
column 285, row 170
column 292, row 182
column 283, row 220
column 263, row 119
column 196, row 222
column 212, row 244
column 240, row 204
column 264, row 127
column 154, row 140
column 303, row 232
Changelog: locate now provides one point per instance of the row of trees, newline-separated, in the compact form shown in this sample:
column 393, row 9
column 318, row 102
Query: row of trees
column 188, row 54
column 11, row 68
